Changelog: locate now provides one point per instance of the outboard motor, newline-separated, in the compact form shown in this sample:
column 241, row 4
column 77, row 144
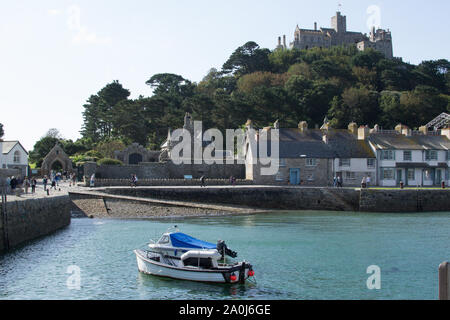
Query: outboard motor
column 223, row 250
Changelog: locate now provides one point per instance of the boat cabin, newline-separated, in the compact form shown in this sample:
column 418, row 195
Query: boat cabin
column 206, row 259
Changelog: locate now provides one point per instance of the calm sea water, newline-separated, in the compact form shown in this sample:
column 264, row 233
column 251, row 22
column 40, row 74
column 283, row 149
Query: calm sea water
column 296, row 255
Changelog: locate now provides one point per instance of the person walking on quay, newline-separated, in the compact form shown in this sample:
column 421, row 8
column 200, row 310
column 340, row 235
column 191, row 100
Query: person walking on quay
column 202, row 181
column 92, row 181
column 33, row 185
column 13, row 184
column 364, row 182
column 26, row 184
column 367, row 181
column 334, row 182
column 339, row 181
column 8, row 185
column 74, row 179
column 45, row 182
column 53, row 183
column 133, row 180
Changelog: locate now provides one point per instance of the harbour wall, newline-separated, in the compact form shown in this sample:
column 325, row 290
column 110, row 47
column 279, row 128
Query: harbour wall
column 292, row 198
column 29, row 219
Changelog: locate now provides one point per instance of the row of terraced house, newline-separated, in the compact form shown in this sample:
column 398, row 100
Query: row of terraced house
column 316, row 157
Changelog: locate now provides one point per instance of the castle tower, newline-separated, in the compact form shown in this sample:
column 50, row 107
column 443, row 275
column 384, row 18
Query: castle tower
column 339, row 23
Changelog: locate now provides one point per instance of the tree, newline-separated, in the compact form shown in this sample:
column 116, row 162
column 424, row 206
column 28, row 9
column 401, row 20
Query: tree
column 247, row 59
column 53, row 133
column 2, row 132
column 41, row 149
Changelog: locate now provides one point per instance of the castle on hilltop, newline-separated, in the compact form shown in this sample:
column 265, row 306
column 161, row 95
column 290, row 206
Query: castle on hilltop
column 337, row 35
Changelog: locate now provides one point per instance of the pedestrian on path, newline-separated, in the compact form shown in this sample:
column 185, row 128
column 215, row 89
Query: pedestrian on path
column 33, row 185
column 26, row 184
column 202, row 181
column 45, row 182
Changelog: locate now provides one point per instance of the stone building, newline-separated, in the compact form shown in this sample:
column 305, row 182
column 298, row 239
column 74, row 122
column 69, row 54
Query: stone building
column 313, row 157
column 338, row 35
column 136, row 154
column 56, row 159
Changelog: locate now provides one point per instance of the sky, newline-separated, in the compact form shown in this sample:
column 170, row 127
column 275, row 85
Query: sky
column 54, row 54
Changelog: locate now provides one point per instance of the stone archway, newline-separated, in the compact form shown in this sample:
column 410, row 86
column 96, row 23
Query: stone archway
column 135, row 158
column 56, row 155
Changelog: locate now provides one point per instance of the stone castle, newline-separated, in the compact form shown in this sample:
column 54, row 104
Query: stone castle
column 337, row 35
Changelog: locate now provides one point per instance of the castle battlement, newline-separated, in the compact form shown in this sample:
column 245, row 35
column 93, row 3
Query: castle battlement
column 337, row 35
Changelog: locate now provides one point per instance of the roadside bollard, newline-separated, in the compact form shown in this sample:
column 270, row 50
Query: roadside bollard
column 444, row 281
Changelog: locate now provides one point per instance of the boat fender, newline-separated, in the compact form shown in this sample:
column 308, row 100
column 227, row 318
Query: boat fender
column 233, row 278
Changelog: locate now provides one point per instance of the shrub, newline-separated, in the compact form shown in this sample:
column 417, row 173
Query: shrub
column 109, row 162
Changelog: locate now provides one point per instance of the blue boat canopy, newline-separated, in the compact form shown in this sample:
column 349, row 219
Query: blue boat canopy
column 181, row 240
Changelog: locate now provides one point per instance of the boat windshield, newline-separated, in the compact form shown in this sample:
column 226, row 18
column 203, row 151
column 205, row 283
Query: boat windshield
column 181, row 240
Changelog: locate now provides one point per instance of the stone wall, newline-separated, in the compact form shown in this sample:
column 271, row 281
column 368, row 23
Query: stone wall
column 277, row 198
column 167, row 182
column 30, row 219
column 166, row 170
column 407, row 200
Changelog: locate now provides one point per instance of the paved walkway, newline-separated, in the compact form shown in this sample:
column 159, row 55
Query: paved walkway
column 61, row 190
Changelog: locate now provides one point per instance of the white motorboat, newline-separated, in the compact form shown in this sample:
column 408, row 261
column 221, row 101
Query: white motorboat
column 180, row 256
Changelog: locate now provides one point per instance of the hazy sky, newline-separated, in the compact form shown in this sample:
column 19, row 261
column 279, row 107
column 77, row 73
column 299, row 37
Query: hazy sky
column 55, row 54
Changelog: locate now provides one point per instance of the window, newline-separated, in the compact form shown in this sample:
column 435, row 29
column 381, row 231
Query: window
column 407, row 155
column 447, row 155
column 344, row 162
column 350, row 175
column 310, row 176
column 279, row 176
column 4, row 166
column 311, row 162
column 164, row 239
column 431, row 155
column 387, row 155
column 411, row 174
column 387, row 174
column 370, row 163
column 17, row 157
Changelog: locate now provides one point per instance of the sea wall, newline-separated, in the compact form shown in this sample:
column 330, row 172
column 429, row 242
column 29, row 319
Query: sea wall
column 166, row 182
column 292, row 198
column 407, row 200
column 32, row 218
column 277, row 198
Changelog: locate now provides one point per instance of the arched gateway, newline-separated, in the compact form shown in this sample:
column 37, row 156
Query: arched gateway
column 56, row 159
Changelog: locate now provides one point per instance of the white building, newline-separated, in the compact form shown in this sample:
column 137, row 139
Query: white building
column 414, row 158
column 13, row 156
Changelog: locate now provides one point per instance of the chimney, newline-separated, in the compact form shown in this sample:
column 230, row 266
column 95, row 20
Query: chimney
column 444, row 132
column 249, row 124
column 303, row 126
column 315, row 26
column 276, row 125
column 284, row 41
column 325, row 137
column 353, row 128
column 363, row 133
column 424, row 130
column 279, row 41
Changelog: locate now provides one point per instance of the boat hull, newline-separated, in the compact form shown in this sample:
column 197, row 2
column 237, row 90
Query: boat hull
column 221, row 275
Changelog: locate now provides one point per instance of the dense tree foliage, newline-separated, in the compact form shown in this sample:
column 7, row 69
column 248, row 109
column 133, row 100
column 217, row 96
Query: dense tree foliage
column 2, row 132
column 340, row 83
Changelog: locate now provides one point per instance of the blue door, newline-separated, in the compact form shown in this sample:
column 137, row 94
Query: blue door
column 294, row 176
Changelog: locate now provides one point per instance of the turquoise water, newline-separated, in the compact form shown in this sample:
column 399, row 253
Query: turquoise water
column 296, row 255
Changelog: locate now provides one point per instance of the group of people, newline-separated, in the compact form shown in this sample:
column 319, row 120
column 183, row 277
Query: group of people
column 337, row 182
column 365, row 182
column 16, row 185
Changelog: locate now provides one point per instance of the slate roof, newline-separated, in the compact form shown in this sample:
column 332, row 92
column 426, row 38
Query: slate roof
column 310, row 144
column 6, row 146
column 415, row 142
